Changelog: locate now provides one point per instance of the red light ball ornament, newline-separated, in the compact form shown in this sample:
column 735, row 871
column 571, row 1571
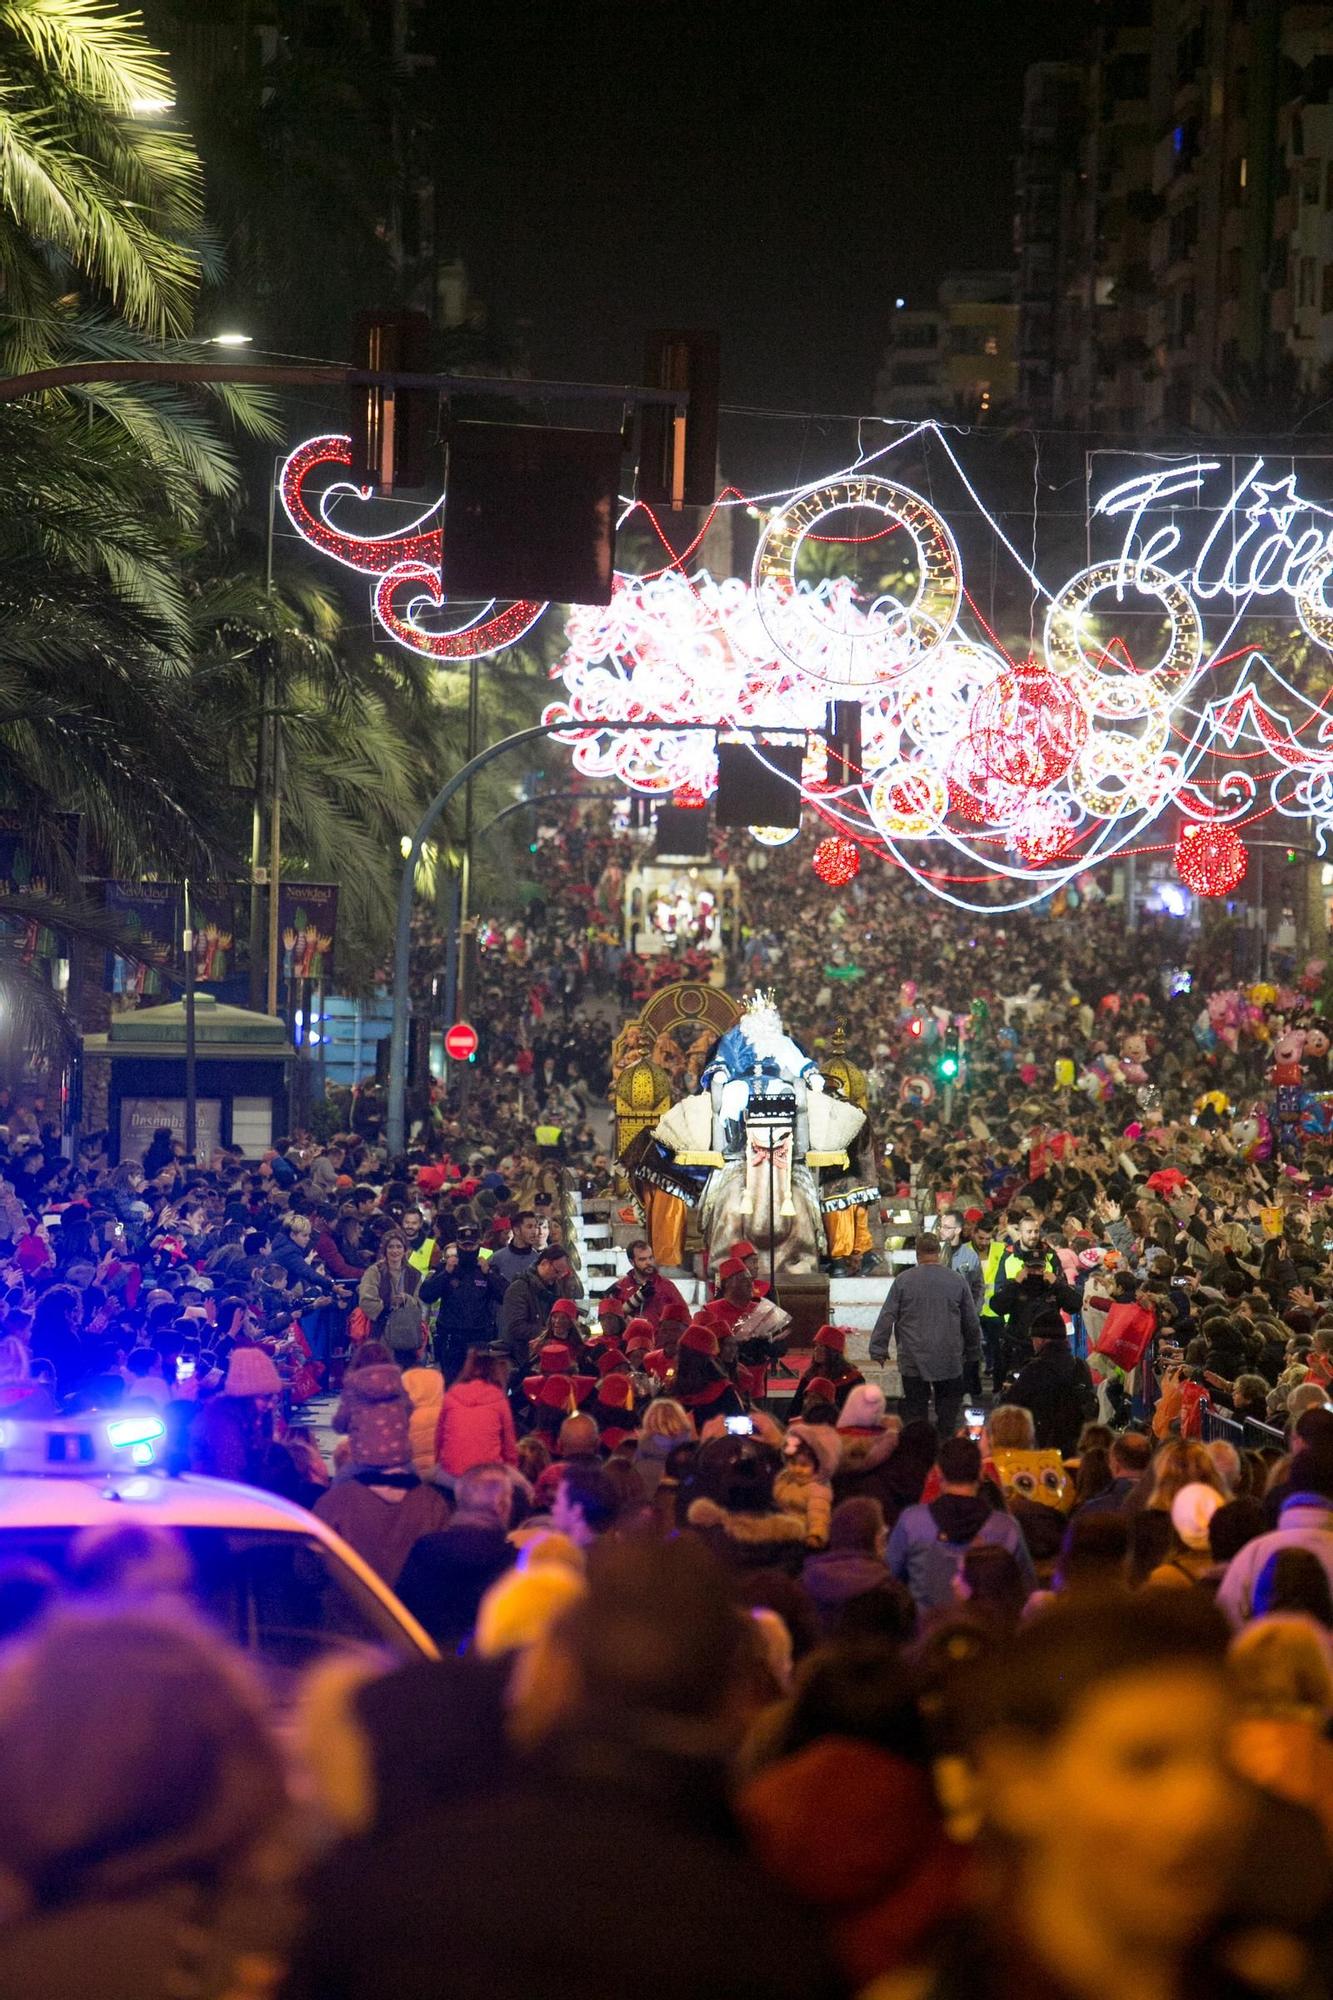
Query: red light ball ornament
column 1026, row 727
column 690, row 798
column 837, row 860
column 1210, row 860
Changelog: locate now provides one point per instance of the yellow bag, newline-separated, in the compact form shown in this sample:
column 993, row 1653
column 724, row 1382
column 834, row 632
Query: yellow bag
column 1035, row 1475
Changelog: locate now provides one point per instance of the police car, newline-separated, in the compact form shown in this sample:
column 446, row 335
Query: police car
column 270, row 1576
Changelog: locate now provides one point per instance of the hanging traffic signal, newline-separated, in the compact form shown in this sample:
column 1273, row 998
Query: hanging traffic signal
column 395, row 432
column 950, row 1061
column 678, row 453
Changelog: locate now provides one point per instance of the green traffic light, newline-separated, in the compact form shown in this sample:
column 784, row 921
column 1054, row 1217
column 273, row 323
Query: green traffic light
column 948, row 1067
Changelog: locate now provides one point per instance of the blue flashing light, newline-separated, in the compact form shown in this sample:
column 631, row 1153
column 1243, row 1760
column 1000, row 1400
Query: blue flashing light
column 138, row 1432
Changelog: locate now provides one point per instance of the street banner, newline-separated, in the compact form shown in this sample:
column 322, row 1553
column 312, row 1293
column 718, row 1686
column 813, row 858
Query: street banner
column 307, row 929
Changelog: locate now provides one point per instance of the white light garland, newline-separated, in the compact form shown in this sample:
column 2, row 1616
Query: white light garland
column 1018, row 773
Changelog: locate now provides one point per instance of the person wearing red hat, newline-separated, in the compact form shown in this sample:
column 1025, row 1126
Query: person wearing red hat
column 702, row 1385
column 612, row 1406
column 730, row 1314
column 660, row 1361
column 613, row 1316
column 644, row 1292
column 747, row 1253
column 552, row 1398
column 828, row 1363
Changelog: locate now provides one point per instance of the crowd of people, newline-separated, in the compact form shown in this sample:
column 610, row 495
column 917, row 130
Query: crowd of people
column 1023, row 1684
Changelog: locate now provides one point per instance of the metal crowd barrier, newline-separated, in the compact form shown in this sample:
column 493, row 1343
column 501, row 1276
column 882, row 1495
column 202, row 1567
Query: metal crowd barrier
column 1246, row 1433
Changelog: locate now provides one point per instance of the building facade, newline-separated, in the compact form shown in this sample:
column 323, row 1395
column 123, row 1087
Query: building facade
column 957, row 358
column 1174, row 217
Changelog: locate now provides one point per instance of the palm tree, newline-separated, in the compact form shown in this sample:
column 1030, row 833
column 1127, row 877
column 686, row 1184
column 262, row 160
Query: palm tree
column 94, row 196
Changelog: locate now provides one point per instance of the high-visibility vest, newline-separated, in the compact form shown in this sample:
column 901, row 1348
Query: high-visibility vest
column 548, row 1135
column 420, row 1258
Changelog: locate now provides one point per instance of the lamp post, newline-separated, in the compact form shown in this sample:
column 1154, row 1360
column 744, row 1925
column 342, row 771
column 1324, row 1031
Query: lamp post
column 412, row 846
column 191, row 1094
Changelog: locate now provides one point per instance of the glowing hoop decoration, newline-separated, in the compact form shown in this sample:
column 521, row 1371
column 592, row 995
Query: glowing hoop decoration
column 1128, row 694
column 773, row 836
column 1311, row 599
column 908, row 801
column 825, row 632
column 1211, row 860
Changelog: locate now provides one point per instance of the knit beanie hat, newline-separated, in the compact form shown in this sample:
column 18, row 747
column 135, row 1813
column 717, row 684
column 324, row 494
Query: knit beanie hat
column 863, row 1410
column 1191, row 1511
column 251, row 1373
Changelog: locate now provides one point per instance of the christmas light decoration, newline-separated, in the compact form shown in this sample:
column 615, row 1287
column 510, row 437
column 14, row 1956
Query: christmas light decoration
column 1210, row 860
column 773, row 836
column 407, row 561
column 1026, row 727
column 989, row 780
column 837, row 861
column 825, row 630
column 691, row 798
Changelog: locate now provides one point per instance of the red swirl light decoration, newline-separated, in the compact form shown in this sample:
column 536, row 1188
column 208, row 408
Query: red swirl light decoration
column 486, row 634
column 371, row 555
column 407, row 560
column 1210, row 860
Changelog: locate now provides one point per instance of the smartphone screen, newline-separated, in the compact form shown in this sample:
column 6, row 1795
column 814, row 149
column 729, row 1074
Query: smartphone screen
column 740, row 1426
column 976, row 1423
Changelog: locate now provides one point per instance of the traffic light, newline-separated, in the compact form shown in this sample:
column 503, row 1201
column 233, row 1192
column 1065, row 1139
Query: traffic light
column 395, row 433
column 842, row 734
column 950, row 1062
column 668, row 477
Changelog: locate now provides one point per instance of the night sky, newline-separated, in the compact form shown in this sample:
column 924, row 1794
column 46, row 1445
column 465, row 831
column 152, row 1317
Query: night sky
column 781, row 173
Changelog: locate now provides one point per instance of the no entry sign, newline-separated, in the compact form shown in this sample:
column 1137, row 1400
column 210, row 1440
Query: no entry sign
column 460, row 1041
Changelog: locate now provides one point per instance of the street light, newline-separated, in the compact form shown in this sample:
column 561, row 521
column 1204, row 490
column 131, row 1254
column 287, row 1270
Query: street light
column 151, row 107
column 231, row 340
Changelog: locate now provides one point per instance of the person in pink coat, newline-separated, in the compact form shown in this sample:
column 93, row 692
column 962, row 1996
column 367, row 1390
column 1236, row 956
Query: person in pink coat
column 476, row 1424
